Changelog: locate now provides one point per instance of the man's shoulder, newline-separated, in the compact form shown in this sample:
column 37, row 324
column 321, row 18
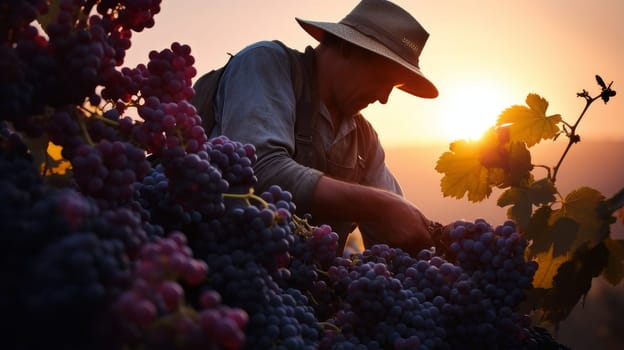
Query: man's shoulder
column 271, row 47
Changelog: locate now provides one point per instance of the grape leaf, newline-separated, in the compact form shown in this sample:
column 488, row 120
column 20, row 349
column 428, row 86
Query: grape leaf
column 497, row 177
column 521, row 208
column 581, row 206
column 522, row 199
column 537, row 231
column 614, row 272
column 55, row 162
column 463, row 172
column 573, row 280
column 548, row 266
column 562, row 235
column 543, row 191
column 613, row 206
column 530, row 124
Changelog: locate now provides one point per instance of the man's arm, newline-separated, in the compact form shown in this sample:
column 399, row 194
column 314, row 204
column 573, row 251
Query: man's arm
column 378, row 175
column 394, row 220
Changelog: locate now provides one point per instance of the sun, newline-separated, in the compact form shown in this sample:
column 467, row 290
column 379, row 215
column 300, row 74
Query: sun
column 470, row 107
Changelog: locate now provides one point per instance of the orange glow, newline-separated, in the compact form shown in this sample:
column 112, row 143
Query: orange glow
column 470, row 108
column 483, row 56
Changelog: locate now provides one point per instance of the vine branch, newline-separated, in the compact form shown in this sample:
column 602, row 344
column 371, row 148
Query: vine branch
column 573, row 137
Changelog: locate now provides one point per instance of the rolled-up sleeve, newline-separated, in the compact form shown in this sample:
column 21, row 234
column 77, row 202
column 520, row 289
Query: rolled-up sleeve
column 255, row 104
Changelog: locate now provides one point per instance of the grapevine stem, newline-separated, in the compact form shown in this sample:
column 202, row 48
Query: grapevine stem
column 104, row 120
column 179, row 133
column 548, row 170
column 324, row 273
column 566, row 123
column 312, row 297
column 247, row 196
column 98, row 117
column 572, row 136
column 85, row 132
column 302, row 225
column 329, row 325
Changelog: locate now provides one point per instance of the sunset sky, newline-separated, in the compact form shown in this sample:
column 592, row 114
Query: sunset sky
column 483, row 55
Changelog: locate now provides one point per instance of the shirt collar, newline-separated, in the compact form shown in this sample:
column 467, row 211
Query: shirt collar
column 346, row 126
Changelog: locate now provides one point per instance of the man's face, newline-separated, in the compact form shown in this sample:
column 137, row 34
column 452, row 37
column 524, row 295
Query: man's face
column 365, row 79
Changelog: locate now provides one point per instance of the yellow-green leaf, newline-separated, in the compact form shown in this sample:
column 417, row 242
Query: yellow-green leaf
column 55, row 163
column 463, row 172
column 581, row 206
column 563, row 233
column 496, row 177
column 537, row 231
column 520, row 200
column 547, row 268
column 530, row 124
column 537, row 103
column 543, row 191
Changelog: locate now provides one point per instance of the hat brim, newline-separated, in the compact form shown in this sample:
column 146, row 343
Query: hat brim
column 416, row 84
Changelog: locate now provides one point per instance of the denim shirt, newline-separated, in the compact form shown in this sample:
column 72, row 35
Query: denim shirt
column 255, row 103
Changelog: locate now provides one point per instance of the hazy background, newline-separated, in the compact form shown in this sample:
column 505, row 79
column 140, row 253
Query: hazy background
column 484, row 56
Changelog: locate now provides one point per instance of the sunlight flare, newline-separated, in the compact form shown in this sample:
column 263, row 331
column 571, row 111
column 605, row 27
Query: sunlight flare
column 469, row 108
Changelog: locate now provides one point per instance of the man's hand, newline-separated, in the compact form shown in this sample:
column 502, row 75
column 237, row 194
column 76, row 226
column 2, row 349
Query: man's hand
column 399, row 224
column 385, row 217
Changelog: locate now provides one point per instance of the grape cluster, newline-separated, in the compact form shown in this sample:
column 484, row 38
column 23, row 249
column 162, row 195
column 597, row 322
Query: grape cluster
column 70, row 287
column 108, row 170
column 494, row 258
column 235, row 160
column 18, row 15
column 153, row 195
column 193, row 182
column 59, row 276
column 384, row 298
column 169, row 119
column 279, row 318
column 153, row 312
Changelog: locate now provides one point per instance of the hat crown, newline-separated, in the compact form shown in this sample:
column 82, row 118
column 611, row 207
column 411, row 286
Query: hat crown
column 391, row 25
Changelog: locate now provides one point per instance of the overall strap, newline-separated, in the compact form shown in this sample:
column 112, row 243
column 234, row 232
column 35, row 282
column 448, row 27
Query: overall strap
column 307, row 150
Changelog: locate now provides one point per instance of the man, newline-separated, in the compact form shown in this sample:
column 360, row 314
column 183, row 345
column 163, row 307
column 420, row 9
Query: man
column 335, row 169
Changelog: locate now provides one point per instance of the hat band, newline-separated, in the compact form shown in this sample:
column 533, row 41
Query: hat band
column 407, row 49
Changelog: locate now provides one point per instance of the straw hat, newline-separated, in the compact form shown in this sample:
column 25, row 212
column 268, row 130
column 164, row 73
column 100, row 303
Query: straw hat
column 386, row 29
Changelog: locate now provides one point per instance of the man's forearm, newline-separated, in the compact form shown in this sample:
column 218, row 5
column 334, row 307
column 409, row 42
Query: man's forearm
column 393, row 219
column 337, row 200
